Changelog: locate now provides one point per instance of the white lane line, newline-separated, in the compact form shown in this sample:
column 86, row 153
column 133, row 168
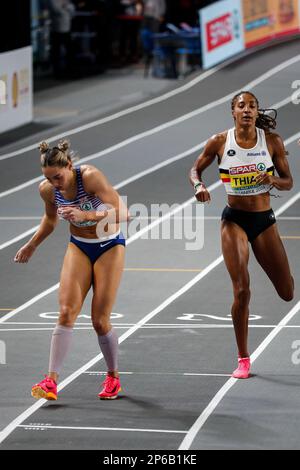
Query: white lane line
column 149, row 327
column 89, row 324
column 85, row 428
column 206, row 375
column 141, row 175
column 129, row 180
column 170, row 214
column 51, row 329
column 150, row 217
column 30, row 302
column 158, row 166
column 275, row 332
column 37, row 405
column 130, row 240
column 119, row 114
column 171, row 123
column 157, row 220
column 168, row 95
column 283, row 103
column 194, row 374
column 292, row 139
column 288, row 204
column 17, row 421
column 150, row 227
column 117, row 187
column 199, row 423
column 21, row 186
column 19, row 237
column 8, row 218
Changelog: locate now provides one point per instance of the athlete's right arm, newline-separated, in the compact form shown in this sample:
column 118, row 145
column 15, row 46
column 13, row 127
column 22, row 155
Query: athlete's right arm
column 211, row 149
column 48, row 224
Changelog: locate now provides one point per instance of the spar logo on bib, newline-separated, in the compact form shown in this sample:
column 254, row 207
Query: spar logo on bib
column 244, row 176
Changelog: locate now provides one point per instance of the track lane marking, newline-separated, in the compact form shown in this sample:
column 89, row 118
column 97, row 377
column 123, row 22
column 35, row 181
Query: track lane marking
column 173, row 122
column 134, row 237
column 194, row 374
column 187, row 441
column 85, row 428
column 140, row 106
column 199, row 423
column 24, row 415
column 149, row 227
column 37, row 405
column 145, row 327
column 122, row 113
column 149, row 327
column 163, row 270
column 140, row 175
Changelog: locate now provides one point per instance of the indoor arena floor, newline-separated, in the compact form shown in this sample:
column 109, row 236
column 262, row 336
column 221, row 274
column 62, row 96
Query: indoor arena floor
column 172, row 314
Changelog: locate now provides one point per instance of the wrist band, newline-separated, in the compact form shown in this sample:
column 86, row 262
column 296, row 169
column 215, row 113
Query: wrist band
column 196, row 185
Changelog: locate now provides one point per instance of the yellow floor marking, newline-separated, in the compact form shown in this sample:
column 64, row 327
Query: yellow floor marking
column 290, row 237
column 6, row 309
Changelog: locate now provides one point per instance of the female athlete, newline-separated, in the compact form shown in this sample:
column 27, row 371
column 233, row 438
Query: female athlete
column 94, row 257
column 248, row 156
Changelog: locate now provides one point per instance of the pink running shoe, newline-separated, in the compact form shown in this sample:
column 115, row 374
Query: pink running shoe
column 243, row 370
column 111, row 388
column 46, row 389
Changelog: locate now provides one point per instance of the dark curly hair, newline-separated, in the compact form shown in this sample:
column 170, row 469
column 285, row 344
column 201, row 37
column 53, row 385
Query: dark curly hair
column 264, row 121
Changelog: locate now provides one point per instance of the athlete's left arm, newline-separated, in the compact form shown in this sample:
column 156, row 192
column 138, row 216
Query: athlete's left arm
column 284, row 180
column 96, row 183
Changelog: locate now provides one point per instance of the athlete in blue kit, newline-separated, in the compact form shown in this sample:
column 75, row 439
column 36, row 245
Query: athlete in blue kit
column 95, row 257
column 248, row 156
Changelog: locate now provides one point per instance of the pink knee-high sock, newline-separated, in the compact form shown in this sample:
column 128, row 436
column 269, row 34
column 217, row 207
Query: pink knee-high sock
column 60, row 345
column 109, row 346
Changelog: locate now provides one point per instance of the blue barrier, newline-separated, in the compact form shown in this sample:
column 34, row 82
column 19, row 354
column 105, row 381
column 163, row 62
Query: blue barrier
column 171, row 53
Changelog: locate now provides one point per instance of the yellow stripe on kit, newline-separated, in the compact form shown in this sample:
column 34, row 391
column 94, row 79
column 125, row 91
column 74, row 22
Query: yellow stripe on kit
column 247, row 179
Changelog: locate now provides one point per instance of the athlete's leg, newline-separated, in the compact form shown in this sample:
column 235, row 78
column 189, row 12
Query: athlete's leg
column 75, row 281
column 236, row 256
column 107, row 274
column 270, row 253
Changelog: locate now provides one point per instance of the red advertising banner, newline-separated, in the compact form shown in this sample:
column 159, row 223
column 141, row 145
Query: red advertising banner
column 265, row 20
column 219, row 32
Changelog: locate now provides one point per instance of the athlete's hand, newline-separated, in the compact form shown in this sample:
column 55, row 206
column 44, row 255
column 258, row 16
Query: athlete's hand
column 24, row 253
column 201, row 194
column 72, row 214
column 264, row 178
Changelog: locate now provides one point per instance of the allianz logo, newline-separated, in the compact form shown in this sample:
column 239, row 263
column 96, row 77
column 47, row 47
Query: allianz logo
column 257, row 154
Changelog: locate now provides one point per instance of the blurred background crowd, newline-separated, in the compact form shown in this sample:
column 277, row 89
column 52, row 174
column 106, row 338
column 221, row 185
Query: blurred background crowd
column 72, row 38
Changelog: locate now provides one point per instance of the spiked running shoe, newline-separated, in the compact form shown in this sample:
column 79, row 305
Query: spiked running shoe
column 243, row 370
column 111, row 388
column 46, row 389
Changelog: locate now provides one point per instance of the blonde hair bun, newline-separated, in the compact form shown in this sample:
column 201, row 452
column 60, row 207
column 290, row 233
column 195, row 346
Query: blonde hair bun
column 64, row 145
column 44, row 146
